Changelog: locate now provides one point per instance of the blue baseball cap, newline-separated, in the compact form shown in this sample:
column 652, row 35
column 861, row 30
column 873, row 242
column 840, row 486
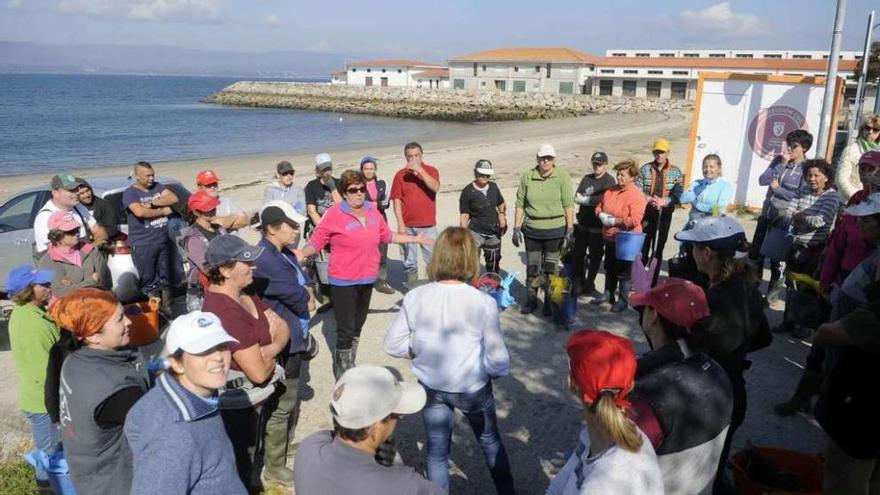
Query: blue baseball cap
column 20, row 278
column 369, row 159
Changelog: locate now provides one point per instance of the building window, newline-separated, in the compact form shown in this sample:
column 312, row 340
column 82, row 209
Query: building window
column 566, row 88
column 368, row 81
column 629, row 88
column 655, row 72
column 606, row 71
column 618, row 54
column 858, row 57
column 537, row 69
column 643, row 55
column 772, row 55
column 519, row 86
column 679, row 73
column 548, row 71
column 458, row 84
column 605, row 87
column 369, row 70
column 515, row 68
column 717, row 55
column 500, row 84
column 475, row 69
column 667, row 55
column 399, row 71
column 383, row 82
column 630, row 71
column 678, row 90
column 484, row 68
column 652, row 89
column 802, row 56
column 383, row 71
column 482, row 83
column 744, row 55
column 354, row 70
column 692, row 55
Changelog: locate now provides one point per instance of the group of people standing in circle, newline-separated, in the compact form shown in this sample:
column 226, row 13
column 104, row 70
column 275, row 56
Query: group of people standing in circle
column 224, row 396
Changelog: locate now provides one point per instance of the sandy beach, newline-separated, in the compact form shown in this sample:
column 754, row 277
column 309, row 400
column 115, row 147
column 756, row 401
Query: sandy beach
column 538, row 420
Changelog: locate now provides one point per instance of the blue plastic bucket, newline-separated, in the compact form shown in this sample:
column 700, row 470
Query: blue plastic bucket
column 628, row 244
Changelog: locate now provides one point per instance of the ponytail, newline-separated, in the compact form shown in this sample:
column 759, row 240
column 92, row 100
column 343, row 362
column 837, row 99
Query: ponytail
column 620, row 428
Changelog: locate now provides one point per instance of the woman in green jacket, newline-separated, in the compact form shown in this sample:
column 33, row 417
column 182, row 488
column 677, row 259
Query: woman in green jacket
column 544, row 218
column 32, row 332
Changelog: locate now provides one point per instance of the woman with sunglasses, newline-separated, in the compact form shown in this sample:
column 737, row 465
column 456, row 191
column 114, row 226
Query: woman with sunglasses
column 203, row 227
column 847, row 178
column 354, row 229
column 76, row 264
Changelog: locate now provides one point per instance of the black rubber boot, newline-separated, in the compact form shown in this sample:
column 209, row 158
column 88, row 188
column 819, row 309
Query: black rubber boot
column 623, row 297
column 807, row 387
column 342, row 361
column 531, row 303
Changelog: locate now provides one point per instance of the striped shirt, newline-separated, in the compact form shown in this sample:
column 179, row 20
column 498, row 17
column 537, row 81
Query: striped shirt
column 820, row 211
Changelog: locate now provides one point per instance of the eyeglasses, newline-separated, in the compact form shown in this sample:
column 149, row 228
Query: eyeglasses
column 872, row 129
column 285, row 174
column 72, row 232
column 356, row 190
column 546, row 158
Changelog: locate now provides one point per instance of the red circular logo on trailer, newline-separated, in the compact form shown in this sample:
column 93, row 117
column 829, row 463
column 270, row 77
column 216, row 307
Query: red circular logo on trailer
column 768, row 129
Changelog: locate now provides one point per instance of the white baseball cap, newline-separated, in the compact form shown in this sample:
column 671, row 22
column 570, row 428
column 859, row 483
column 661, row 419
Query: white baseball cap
column 868, row 206
column 196, row 332
column 367, row 394
column 546, row 149
column 323, row 161
column 278, row 209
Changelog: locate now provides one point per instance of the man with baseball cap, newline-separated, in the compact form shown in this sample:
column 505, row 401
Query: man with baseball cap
column 65, row 198
column 194, row 242
column 229, row 215
column 682, row 400
column 482, row 211
column 284, row 189
column 321, row 195
column 588, row 230
column 366, row 404
column 662, row 183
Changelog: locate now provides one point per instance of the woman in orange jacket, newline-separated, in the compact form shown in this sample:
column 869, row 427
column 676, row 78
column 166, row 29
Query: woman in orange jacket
column 621, row 209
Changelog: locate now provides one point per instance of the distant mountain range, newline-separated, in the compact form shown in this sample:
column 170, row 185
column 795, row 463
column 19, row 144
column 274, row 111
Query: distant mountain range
column 164, row 60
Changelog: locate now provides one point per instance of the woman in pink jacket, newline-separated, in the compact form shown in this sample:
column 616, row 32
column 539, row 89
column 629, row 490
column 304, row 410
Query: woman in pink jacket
column 354, row 229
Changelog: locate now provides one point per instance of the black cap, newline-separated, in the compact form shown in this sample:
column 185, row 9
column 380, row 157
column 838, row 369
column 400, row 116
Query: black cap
column 284, row 166
column 225, row 248
column 599, row 157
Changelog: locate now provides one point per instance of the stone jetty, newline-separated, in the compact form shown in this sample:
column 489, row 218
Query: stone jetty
column 434, row 104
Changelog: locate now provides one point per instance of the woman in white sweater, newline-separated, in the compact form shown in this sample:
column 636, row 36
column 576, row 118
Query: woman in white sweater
column 847, row 178
column 452, row 333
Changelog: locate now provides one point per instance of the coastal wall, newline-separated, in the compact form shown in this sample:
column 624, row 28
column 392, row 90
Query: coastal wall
column 466, row 106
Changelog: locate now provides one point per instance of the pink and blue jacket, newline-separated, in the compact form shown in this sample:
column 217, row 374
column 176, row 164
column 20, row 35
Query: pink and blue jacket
column 354, row 246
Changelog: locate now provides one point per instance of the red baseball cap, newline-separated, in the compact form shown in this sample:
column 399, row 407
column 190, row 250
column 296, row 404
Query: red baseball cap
column 207, row 177
column 680, row 301
column 202, row 201
column 601, row 361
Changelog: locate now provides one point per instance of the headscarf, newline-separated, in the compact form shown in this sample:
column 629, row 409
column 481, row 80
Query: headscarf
column 84, row 311
column 602, row 363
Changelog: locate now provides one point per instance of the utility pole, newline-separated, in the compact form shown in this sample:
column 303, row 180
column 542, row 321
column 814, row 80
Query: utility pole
column 862, row 88
column 830, row 82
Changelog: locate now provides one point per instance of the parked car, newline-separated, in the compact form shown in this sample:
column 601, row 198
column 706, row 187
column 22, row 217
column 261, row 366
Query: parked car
column 17, row 216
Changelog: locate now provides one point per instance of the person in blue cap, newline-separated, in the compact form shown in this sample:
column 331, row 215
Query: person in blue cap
column 32, row 332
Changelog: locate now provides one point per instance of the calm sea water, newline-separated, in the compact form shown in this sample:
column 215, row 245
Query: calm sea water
column 54, row 122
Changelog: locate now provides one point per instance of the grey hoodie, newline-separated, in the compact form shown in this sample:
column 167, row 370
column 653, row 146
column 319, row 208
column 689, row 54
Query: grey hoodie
column 294, row 195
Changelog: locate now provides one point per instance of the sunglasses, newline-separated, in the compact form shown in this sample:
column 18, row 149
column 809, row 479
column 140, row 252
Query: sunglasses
column 546, row 158
column 872, row 129
column 72, row 232
column 209, row 213
column 285, row 174
column 356, row 190
column 211, row 186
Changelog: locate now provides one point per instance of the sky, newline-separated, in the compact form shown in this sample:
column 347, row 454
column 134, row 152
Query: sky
column 433, row 31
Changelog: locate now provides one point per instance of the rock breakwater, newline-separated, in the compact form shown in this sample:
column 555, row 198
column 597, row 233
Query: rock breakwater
column 434, row 104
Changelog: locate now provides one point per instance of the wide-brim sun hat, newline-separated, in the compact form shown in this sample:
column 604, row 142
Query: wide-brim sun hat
column 367, row 394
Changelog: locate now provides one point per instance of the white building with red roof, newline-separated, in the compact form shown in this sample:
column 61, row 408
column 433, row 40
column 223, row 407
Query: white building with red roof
column 396, row 73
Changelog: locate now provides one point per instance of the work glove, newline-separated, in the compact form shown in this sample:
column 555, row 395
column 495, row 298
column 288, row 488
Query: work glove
column 567, row 239
column 517, row 236
column 329, row 182
column 642, row 275
column 581, row 199
column 607, row 220
column 385, row 453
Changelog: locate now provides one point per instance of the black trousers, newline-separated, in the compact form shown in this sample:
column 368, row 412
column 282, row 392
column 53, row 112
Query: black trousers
column 588, row 249
column 350, row 306
column 615, row 269
column 246, row 428
column 153, row 262
column 656, row 227
column 755, row 252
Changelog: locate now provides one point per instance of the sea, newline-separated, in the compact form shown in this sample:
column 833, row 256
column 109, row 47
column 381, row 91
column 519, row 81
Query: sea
column 54, row 122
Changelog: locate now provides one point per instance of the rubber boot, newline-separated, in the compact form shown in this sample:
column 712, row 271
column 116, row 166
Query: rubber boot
column 166, row 305
column 531, row 302
column 279, row 428
column 807, row 387
column 623, row 297
column 354, row 349
column 342, row 361
column 381, row 284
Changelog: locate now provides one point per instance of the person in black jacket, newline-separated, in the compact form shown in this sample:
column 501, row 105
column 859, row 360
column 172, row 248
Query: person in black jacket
column 738, row 324
column 588, row 231
column 482, row 211
column 101, row 209
column 377, row 192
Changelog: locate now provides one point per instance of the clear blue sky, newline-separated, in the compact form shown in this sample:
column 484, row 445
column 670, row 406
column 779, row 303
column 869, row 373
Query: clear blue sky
column 432, row 30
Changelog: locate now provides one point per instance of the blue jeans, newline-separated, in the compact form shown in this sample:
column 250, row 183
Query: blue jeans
column 47, row 438
column 410, row 251
column 479, row 409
